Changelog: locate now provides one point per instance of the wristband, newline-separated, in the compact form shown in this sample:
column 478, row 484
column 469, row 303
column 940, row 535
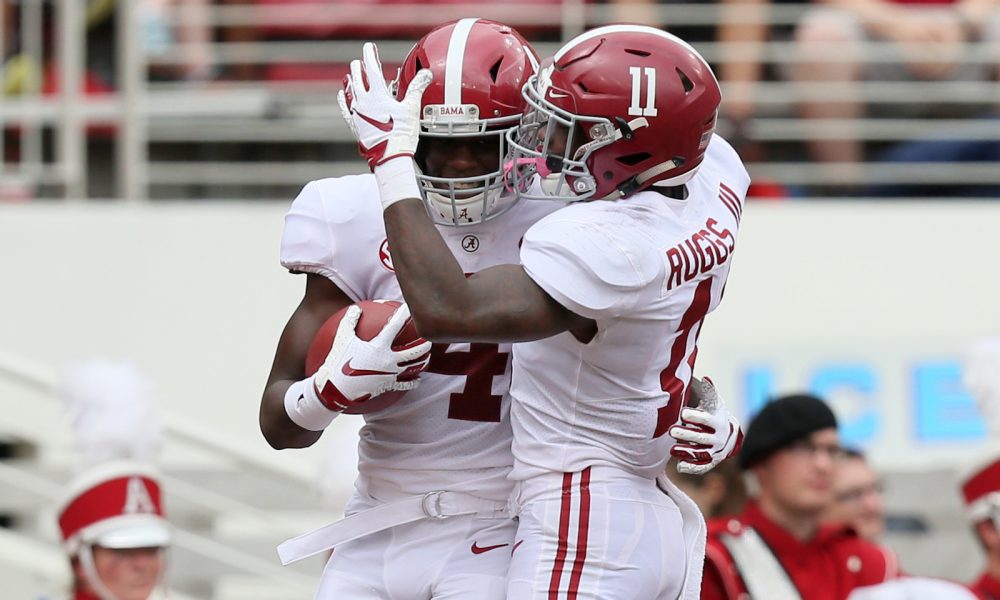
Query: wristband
column 397, row 180
column 304, row 408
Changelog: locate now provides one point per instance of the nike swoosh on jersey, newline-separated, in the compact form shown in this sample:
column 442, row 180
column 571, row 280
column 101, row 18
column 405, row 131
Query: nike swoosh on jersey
column 348, row 370
column 480, row 549
column 515, row 547
column 385, row 126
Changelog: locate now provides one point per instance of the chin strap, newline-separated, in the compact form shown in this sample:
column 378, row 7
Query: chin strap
column 90, row 572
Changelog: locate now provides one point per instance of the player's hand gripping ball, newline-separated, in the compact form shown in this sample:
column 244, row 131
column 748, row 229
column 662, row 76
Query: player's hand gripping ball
column 369, row 365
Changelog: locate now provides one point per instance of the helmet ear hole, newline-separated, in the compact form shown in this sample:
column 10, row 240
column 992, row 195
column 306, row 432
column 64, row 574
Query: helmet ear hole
column 495, row 70
column 685, row 81
column 632, row 160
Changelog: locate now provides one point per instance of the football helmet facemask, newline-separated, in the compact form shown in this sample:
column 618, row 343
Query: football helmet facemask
column 479, row 68
column 619, row 108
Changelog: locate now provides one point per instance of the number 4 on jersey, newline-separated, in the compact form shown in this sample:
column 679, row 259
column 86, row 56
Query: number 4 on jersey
column 635, row 109
column 479, row 364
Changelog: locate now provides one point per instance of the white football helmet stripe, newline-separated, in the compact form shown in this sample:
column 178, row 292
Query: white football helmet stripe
column 455, row 61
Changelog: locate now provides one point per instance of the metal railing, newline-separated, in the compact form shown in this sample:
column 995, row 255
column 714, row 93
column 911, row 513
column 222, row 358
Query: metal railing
column 151, row 115
column 40, row 379
column 67, row 169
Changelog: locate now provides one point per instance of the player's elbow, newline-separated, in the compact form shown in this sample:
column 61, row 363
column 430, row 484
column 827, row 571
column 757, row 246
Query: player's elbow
column 431, row 326
column 272, row 435
column 280, row 432
column 281, row 439
column 448, row 326
column 435, row 321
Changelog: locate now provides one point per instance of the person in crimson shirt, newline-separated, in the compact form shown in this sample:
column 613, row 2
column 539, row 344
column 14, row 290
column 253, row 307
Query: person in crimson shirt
column 778, row 547
column 981, row 492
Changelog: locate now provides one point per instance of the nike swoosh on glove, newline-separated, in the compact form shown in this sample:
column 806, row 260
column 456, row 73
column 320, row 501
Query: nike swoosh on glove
column 384, row 127
column 707, row 434
column 356, row 370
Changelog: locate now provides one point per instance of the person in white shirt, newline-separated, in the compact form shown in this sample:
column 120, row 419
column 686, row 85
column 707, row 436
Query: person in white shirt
column 607, row 301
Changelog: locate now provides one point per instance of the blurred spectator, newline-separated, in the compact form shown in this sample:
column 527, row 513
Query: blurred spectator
column 941, row 149
column 191, row 36
column 642, row 12
column 981, row 492
column 857, row 497
column 777, row 547
column 114, row 531
column 159, row 37
column 112, row 522
column 657, row 13
column 239, row 34
column 718, row 493
column 923, row 40
column 743, row 30
column 404, row 20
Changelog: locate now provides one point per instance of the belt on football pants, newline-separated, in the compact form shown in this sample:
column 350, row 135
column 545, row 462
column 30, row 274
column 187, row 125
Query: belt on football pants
column 433, row 505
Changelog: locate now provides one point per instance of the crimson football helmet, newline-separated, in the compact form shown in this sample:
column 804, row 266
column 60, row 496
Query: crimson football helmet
column 618, row 109
column 479, row 68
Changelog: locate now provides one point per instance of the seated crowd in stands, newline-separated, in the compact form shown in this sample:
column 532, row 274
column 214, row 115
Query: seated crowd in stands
column 868, row 77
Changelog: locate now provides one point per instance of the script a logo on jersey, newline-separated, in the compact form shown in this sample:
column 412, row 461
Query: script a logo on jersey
column 384, row 257
column 137, row 499
column 470, row 243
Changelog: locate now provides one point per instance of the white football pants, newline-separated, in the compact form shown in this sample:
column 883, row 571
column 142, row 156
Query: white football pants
column 601, row 534
column 458, row 558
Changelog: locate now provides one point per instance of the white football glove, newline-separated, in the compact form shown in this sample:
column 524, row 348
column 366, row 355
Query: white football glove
column 706, row 435
column 356, row 370
column 384, row 127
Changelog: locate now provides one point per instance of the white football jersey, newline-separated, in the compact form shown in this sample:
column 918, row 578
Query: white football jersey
column 453, row 431
column 647, row 269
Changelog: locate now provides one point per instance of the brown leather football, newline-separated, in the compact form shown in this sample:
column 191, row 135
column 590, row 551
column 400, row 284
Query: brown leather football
column 375, row 314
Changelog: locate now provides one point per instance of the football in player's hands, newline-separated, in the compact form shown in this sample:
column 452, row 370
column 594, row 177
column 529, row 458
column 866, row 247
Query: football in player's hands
column 375, row 314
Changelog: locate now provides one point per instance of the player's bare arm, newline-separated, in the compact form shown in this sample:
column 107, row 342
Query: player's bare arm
column 499, row 304
column 321, row 300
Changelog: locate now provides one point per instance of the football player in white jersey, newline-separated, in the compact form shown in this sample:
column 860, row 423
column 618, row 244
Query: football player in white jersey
column 608, row 301
column 444, row 448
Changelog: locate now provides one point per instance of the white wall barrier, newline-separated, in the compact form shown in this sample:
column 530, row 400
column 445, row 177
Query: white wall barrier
column 871, row 304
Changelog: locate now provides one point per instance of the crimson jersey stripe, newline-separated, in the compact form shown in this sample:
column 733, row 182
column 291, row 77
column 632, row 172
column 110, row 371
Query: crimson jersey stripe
column 729, row 205
column 581, row 535
column 731, row 200
column 729, row 191
column 564, row 516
